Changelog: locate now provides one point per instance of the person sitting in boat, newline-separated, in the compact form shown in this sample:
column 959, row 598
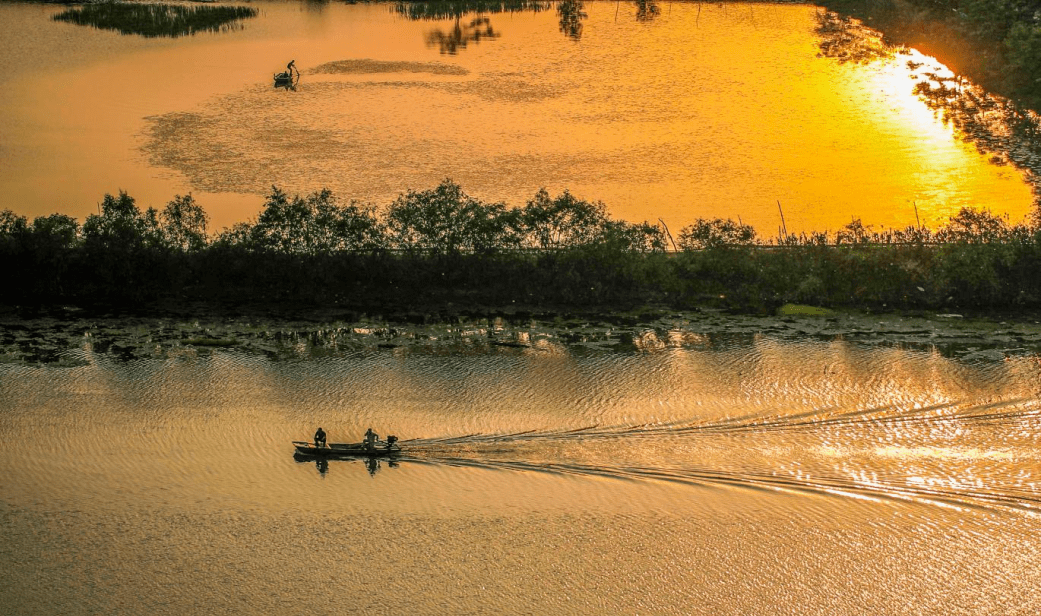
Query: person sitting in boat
column 371, row 438
column 319, row 438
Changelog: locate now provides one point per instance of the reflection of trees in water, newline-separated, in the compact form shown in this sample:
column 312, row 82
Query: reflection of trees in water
column 848, row 40
column 571, row 15
column 458, row 9
column 995, row 42
column 459, row 36
column 1009, row 133
column 646, row 10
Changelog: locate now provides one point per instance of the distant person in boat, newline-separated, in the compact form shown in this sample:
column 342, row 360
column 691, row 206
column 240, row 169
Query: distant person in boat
column 288, row 75
column 319, row 438
column 371, row 438
column 289, row 70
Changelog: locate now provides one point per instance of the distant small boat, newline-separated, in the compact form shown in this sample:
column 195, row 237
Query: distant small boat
column 288, row 78
column 348, row 450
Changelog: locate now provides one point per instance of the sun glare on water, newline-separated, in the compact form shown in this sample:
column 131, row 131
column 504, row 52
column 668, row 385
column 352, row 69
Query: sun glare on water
column 895, row 79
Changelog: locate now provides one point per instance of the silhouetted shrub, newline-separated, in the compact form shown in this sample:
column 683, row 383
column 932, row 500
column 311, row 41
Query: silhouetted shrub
column 445, row 220
column 156, row 20
column 442, row 246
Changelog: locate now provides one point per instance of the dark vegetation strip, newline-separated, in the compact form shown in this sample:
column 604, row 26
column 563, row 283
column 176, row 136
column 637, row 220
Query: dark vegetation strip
column 441, row 246
column 156, row 20
column 454, row 9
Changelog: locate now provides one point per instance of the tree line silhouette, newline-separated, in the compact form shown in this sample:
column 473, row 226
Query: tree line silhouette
column 441, row 246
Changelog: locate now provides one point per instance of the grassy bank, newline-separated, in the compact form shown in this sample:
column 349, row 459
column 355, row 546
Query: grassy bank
column 442, row 247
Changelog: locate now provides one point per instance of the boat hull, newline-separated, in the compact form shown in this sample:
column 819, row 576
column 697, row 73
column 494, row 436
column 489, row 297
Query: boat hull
column 347, row 450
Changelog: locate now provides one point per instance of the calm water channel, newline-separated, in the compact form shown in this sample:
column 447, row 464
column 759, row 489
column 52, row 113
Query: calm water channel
column 695, row 110
column 660, row 471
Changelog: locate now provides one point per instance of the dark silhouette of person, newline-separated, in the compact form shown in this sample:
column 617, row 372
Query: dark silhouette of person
column 288, row 74
column 319, row 438
column 370, row 439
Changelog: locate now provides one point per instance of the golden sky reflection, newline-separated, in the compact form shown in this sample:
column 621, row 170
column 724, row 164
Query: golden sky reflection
column 706, row 111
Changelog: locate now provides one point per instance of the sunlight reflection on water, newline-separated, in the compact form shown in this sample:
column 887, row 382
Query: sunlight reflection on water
column 703, row 111
column 722, row 477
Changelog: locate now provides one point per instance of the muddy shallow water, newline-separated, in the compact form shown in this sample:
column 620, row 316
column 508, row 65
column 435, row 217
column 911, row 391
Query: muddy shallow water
column 68, row 337
column 674, row 463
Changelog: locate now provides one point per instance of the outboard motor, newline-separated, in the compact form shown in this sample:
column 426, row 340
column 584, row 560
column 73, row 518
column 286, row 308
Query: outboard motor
column 391, row 440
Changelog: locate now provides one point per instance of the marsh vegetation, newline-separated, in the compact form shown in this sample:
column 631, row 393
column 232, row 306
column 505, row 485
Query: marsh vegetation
column 157, row 20
column 441, row 246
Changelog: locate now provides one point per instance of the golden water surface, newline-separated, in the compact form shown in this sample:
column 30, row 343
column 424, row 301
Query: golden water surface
column 705, row 110
column 687, row 473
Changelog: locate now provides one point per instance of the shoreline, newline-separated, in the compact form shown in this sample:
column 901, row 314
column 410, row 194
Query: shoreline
column 75, row 337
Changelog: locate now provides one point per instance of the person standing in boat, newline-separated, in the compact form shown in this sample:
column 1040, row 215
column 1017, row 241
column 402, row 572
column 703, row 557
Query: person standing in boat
column 370, row 439
column 319, row 438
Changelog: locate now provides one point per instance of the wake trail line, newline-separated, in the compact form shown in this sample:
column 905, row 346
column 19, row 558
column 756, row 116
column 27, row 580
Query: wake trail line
column 1003, row 410
column 767, row 481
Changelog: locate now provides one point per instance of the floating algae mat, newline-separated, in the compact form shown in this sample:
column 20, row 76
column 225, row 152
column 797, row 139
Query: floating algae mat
column 157, row 20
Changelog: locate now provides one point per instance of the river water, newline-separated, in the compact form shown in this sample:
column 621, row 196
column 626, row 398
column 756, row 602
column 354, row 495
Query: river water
column 582, row 468
column 587, row 468
column 692, row 110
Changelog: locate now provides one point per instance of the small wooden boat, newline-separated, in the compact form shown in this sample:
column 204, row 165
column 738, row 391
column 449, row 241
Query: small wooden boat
column 288, row 78
column 348, row 450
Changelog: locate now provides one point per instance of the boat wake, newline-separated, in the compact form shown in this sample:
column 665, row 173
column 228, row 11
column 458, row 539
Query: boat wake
column 705, row 477
column 966, row 456
column 1004, row 410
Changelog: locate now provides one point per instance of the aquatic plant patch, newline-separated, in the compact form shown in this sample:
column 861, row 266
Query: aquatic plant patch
column 157, row 20
column 802, row 310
